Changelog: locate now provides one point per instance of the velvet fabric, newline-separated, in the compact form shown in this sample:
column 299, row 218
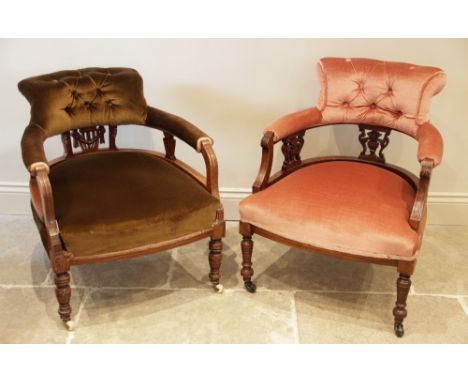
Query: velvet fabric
column 391, row 94
column 111, row 201
column 73, row 99
column 295, row 122
column 32, row 145
column 344, row 206
column 431, row 145
column 365, row 91
column 177, row 126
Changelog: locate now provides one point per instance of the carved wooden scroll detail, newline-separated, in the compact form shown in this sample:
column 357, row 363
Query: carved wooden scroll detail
column 373, row 140
column 291, row 150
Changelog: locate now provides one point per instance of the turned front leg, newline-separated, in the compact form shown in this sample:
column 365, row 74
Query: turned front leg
column 61, row 267
column 399, row 312
column 63, row 293
column 215, row 257
column 247, row 248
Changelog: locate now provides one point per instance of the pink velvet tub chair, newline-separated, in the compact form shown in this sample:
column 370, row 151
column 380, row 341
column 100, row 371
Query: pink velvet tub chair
column 360, row 208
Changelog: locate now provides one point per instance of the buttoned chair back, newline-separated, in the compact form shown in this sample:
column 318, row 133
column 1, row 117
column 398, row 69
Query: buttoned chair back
column 359, row 208
column 99, row 202
column 391, row 94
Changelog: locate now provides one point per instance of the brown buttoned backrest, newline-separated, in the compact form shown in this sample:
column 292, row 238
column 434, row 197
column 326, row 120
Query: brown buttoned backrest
column 74, row 99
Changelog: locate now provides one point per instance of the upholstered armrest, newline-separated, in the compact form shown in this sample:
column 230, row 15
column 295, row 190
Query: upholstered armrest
column 32, row 146
column 294, row 123
column 431, row 145
column 177, row 126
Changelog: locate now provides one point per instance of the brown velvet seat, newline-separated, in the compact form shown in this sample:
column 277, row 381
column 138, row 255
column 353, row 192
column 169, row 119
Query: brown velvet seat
column 168, row 202
column 99, row 202
column 356, row 208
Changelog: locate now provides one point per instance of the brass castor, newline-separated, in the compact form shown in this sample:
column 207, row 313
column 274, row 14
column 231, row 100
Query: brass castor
column 250, row 286
column 399, row 329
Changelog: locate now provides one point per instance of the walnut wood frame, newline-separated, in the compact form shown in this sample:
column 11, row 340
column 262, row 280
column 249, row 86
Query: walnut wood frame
column 376, row 140
column 43, row 203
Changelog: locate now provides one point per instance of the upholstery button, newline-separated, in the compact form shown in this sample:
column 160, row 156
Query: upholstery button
column 68, row 109
column 399, row 113
column 372, row 105
column 89, row 105
column 345, row 103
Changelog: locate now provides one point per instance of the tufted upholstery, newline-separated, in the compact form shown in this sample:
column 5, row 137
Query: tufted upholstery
column 73, row 99
column 392, row 94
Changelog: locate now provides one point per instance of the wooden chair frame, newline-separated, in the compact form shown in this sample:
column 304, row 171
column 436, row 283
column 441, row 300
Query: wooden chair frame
column 89, row 139
column 373, row 139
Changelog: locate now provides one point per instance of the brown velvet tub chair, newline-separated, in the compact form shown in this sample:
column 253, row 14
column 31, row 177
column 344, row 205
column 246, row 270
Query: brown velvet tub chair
column 100, row 203
column 360, row 208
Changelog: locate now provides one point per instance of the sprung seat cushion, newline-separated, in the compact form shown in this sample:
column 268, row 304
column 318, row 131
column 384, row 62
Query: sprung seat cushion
column 356, row 208
column 111, row 201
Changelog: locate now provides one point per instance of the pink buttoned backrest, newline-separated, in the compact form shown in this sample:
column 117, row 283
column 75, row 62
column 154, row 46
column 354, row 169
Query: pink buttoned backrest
column 366, row 91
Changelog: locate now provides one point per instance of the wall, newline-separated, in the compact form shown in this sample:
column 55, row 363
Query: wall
column 233, row 88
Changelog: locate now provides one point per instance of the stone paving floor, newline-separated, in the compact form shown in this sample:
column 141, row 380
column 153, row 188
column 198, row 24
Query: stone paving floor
column 166, row 297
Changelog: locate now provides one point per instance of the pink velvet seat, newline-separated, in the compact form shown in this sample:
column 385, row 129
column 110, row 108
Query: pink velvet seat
column 344, row 206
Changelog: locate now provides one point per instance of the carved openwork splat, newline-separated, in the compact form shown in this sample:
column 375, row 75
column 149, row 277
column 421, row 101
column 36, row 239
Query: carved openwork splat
column 291, row 149
column 373, row 139
column 88, row 138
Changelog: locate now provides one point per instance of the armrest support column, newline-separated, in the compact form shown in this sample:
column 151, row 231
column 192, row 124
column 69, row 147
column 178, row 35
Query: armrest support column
column 211, row 164
column 420, row 201
column 43, row 201
column 263, row 176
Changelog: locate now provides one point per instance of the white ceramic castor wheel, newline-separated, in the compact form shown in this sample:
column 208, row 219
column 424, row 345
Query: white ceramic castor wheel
column 70, row 325
column 219, row 288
